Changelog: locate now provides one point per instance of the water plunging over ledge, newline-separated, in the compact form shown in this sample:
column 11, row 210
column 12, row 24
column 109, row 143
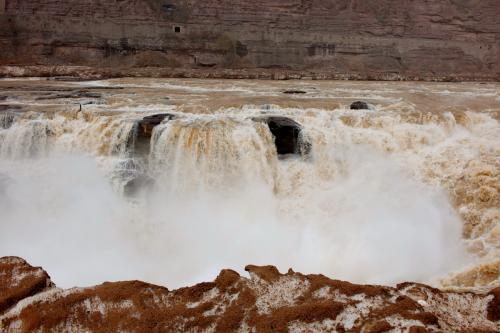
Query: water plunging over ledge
column 404, row 191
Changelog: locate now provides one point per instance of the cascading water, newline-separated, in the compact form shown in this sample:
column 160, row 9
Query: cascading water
column 368, row 204
column 207, row 152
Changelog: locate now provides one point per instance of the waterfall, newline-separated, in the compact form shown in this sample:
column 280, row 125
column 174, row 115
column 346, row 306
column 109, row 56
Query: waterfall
column 202, row 191
column 26, row 140
column 212, row 152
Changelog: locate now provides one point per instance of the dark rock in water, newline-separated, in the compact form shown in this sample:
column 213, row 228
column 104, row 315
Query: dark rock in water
column 287, row 134
column 6, row 119
column 10, row 107
column 294, row 92
column 147, row 124
column 70, row 94
column 142, row 139
column 136, row 185
column 360, row 105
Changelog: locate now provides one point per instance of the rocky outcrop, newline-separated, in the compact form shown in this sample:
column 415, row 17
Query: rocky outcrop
column 18, row 281
column 359, row 105
column 494, row 306
column 287, row 133
column 268, row 301
column 144, row 131
column 358, row 39
column 147, row 124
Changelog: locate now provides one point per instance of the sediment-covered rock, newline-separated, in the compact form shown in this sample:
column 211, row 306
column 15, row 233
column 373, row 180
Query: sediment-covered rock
column 19, row 280
column 268, row 301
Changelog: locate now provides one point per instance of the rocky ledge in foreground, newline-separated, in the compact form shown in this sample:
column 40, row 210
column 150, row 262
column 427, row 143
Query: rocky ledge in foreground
column 267, row 302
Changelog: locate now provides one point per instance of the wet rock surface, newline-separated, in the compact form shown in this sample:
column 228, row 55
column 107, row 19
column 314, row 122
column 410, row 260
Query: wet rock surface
column 294, row 92
column 145, row 127
column 147, row 124
column 359, row 105
column 268, row 301
column 287, row 135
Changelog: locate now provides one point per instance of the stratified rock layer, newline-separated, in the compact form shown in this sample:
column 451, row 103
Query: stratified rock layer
column 266, row 302
column 364, row 39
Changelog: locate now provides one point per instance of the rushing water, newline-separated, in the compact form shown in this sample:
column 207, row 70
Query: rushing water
column 406, row 191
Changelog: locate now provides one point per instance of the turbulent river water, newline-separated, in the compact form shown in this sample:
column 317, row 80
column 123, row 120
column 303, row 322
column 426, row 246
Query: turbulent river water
column 408, row 190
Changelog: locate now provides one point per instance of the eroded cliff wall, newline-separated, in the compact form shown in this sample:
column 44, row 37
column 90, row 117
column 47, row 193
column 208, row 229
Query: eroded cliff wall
column 457, row 39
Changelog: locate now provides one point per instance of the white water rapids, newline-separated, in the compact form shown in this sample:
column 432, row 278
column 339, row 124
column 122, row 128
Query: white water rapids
column 370, row 204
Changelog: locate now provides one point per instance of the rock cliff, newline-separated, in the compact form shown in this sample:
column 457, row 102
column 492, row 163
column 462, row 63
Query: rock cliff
column 363, row 39
column 266, row 302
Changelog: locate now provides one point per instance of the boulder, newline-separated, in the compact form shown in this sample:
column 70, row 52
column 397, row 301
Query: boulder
column 19, row 280
column 294, row 91
column 287, row 135
column 360, row 105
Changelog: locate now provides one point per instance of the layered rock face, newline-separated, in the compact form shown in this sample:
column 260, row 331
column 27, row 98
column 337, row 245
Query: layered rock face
column 266, row 302
column 365, row 39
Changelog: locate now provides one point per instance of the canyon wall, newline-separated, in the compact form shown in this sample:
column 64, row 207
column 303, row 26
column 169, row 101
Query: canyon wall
column 385, row 39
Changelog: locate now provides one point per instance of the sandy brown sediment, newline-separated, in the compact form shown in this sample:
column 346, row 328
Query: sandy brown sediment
column 79, row 73
column 267, row 301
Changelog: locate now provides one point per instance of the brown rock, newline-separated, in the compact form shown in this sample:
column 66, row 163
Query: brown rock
column 147, row 124
column 378, row 327
column 266, row 273
column 494, row 305
column 267, row 302
column 19, row 280
column 417, row 329
column 363, row 39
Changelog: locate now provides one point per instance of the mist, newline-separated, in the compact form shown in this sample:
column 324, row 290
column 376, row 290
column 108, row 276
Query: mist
column 371, row 223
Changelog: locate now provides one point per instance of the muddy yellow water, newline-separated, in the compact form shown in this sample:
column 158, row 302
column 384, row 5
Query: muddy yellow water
column 407, row 190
